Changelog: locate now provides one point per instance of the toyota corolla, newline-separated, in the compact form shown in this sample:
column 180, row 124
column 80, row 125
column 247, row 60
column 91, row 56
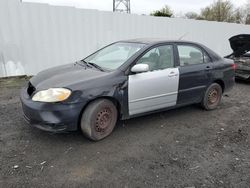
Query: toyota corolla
column 123, row 80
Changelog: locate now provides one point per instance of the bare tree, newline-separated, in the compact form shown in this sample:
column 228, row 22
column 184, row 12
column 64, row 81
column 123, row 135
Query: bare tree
column 207, row 14
column 247, row 20
column 191, row 15
column 221, row 11
column 238, row 15
column 247, row 13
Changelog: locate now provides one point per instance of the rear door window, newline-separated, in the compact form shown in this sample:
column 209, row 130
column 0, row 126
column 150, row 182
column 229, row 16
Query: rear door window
column 191, row 55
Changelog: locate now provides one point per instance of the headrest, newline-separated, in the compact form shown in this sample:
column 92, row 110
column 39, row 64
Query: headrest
column 195, row 55
column 153, row 55
column 165, row 51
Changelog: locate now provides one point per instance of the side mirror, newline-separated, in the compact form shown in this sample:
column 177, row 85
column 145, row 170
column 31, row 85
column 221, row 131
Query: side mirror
column 138, row 68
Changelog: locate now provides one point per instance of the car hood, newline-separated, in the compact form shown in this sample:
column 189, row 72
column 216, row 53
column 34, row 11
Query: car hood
column 240, row 45
column 65, row 76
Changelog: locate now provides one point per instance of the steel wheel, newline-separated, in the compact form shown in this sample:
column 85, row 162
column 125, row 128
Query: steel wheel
column 103, row 119
column 99, row 119
column 212, row 97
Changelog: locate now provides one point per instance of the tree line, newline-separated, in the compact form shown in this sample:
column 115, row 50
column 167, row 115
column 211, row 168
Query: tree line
column 220, row 10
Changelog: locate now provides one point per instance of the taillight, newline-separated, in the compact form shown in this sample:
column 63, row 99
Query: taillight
column 233, row 66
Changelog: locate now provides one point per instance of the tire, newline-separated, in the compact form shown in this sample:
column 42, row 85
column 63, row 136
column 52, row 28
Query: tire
column 99, row 119
column 212, row 97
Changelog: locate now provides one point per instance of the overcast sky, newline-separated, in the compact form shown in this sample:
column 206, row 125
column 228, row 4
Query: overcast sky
column 139, row 6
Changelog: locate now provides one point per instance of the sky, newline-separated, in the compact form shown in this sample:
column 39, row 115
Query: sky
column 139, row 6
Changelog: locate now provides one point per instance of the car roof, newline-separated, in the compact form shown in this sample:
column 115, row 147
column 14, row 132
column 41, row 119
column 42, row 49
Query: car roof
column 154, row 40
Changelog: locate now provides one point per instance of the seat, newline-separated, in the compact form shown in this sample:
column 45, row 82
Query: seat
column 165, row 59
column 153, row 60
column 195, row 58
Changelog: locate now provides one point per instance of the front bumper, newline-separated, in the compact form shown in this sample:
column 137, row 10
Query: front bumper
column 52, row 117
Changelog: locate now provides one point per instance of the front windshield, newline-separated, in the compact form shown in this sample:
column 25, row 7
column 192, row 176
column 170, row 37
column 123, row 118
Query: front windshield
column 113, row 56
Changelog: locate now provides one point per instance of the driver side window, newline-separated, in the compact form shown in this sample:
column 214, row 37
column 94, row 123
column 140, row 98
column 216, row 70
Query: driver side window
column 158, row 58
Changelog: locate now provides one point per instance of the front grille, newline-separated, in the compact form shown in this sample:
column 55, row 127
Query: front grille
column 31, row 89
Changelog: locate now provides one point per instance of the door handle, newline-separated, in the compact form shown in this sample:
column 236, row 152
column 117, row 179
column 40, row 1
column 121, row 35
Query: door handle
column 208, row 68
column 173, row 74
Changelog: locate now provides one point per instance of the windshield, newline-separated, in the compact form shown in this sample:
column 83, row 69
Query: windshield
column 113, row 56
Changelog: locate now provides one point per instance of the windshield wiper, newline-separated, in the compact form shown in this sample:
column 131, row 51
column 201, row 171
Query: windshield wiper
column 86, row 63
column 91, row 65
column 96, row 66
column 79, row 63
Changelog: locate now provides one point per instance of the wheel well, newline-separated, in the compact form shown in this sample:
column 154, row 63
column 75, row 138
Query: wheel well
column 221, row 83
column 113, row 100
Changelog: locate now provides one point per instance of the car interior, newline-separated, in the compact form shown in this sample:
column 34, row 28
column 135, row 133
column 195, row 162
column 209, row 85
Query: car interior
column 162, row 57
column 194, row 58
column 159, row 58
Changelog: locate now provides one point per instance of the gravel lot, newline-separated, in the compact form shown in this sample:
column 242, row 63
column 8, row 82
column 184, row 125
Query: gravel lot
column 186, row 147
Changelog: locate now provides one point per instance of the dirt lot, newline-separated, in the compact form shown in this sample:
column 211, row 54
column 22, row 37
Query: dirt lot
column 187, row 147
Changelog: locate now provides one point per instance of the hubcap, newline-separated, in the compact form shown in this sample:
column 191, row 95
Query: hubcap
column 103, row 119
column 213, row 96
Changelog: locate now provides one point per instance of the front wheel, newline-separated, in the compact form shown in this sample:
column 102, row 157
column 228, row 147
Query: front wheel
column 212, row 97
column 99, row 119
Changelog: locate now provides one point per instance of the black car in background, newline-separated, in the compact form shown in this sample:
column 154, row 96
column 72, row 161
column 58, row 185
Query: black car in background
column 123, row 80
column 240, row 45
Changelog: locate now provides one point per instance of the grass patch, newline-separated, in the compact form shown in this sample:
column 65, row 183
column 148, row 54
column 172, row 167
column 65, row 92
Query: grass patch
column 15, row 81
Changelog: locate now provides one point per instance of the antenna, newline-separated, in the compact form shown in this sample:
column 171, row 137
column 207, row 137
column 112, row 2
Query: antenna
column 183, row 36
column 121, row 6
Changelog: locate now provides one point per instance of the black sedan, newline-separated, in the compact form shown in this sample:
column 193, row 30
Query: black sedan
column 123, row 80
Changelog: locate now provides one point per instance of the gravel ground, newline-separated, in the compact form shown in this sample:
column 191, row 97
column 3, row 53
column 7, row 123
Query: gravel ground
column 186, row 147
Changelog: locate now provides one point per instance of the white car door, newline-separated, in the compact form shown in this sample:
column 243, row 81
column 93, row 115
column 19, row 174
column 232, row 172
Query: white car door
column 157, row 88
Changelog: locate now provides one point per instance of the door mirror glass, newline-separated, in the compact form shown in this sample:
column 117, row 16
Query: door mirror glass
column 138, row 68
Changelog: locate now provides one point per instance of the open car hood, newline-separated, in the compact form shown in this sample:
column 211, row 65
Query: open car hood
column 240, row 45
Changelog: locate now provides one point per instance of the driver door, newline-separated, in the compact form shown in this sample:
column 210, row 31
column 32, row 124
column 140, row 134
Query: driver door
column 157, row 88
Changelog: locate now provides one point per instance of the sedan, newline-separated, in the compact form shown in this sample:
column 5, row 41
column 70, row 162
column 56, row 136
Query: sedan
column 123, row 80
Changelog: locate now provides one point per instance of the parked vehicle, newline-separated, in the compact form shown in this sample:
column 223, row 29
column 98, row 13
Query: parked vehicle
column 240, row 45
column 123, row 80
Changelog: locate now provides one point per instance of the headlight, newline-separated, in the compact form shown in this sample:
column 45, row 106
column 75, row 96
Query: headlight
column 52, row 95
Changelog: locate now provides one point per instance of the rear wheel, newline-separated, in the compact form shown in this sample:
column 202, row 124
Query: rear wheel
column 99, row 119
column 212, row 97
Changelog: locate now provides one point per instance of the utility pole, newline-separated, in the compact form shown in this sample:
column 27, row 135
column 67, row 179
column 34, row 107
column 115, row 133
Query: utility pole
column 121, row 6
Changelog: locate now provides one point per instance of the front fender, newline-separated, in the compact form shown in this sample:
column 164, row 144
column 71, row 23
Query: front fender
column 117, row 92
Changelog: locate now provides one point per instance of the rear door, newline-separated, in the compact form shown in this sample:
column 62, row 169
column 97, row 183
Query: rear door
column 157, row 88
column 195, row 68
